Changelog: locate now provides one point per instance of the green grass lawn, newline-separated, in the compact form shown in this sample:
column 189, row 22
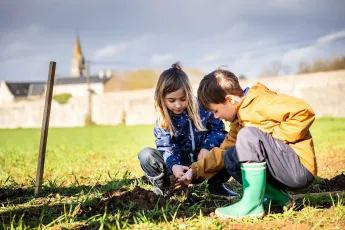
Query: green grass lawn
column 92, row 179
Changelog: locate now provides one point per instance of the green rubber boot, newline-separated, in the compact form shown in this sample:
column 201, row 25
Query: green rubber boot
column 277, row 197
column 251, row 204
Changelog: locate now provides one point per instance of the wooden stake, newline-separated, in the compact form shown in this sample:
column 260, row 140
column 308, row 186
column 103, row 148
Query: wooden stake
column 45, row 127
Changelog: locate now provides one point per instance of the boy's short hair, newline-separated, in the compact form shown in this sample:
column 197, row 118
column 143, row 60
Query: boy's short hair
column 216, row 85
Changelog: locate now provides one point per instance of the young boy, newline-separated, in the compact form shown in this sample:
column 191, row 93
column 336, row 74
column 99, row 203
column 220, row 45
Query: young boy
column 268, row 131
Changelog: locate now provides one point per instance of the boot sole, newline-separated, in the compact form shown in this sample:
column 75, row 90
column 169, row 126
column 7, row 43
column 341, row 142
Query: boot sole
column 259, row 215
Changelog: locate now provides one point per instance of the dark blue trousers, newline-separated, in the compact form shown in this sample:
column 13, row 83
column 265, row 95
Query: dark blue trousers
column 152, row 162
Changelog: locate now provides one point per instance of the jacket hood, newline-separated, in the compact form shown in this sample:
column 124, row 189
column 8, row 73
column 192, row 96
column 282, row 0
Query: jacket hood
column 254, row 92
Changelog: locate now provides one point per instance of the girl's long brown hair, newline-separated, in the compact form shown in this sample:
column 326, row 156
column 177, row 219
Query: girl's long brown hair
column 170, row 81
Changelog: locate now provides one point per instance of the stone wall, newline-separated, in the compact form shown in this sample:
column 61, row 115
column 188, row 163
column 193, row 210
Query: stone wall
column 78, row 89
column 325, row 91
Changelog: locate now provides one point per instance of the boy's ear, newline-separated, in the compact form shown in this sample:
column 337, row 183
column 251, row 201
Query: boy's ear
column 229, row 98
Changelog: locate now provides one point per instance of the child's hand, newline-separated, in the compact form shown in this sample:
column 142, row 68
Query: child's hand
column 178, row 170
column 202, row 153
column 186, row 178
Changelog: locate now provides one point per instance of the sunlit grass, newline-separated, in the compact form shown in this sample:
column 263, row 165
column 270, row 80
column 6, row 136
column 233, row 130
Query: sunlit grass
column 82, row 164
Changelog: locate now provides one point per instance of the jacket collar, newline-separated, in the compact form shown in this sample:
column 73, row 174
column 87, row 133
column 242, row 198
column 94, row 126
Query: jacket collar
column 254, row 92
column 174, row 116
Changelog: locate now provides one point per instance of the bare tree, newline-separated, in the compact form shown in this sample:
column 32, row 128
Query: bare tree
column 275, row 68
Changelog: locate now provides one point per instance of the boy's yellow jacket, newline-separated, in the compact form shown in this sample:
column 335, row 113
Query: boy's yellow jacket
column 284, row 117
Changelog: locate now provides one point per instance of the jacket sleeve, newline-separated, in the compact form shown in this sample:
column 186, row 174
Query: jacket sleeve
column 230, row 139
column 215, row 132
column 213, row 162
column 294, row 115
column 168, row 147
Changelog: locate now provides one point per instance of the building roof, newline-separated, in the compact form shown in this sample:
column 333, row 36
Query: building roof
column 79, row 80
column 18, row 89
column 36, row 89
column 24, row 89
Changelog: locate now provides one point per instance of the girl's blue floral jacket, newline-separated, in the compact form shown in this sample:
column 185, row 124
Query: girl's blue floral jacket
column 179, row 148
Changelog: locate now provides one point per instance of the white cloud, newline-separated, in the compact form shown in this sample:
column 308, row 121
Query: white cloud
column 210, row 57
column 161, row 58
column 252, row 61
column 339, row 35
column 15, row 48
column 312, row 51
column 299, row 54
column 110, row 50
column 40, row 63
column 236, row 30
column 18, row 42
column 239, row 28
column 262, row 43
column 127, row 49
column 35, row 29
column 205, row 35
column 31, row 32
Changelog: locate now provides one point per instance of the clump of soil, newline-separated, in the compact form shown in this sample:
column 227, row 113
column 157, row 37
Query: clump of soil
column 142, row 198
column 336, row 183
column 11, row 193
column 121, row 199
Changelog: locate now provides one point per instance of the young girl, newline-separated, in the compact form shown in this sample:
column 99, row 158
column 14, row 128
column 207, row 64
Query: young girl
column 184, row 133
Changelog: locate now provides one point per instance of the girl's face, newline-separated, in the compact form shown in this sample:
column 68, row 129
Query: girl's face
column 176, row 101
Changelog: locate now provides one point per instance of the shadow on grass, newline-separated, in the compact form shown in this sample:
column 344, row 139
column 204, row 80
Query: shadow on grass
column 60, row 205
column 122, row 204
column 16, row 195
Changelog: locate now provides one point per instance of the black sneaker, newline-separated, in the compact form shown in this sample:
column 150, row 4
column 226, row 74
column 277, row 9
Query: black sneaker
column 219, row 190
column 160, row 191
column 160, row 184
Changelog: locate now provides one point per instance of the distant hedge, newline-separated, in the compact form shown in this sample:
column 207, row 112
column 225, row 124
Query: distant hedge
column 322, row 65
column 62, row 98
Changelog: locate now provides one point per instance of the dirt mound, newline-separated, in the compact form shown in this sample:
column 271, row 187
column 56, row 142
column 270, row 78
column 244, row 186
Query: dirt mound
column 11, row 193
column 336, row 183
column 144, row 199
column 139, row 198
column 121, row 199
column 333, row 184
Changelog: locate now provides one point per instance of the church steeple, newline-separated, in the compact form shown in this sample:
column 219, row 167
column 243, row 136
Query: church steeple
column 78, row 62
column 77, row 48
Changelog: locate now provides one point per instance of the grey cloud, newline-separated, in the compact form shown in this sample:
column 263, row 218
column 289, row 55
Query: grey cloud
column 143, row 34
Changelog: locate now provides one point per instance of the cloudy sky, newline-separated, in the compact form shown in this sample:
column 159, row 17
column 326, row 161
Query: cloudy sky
column 245, row 36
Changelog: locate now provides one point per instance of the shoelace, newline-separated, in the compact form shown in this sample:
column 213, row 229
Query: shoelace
column 153, row 181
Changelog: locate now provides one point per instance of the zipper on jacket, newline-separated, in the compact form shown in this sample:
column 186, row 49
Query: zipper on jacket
column 278, row 145
column 192, row 137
